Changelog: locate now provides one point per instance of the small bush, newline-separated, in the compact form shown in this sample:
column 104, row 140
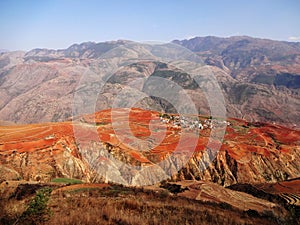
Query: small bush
column 173, row 188
column 225, row 205
column 37, row 210
column 252, row 213
column 163, row 194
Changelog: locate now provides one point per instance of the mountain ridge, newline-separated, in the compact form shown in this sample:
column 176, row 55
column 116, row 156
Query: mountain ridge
column 258, row 84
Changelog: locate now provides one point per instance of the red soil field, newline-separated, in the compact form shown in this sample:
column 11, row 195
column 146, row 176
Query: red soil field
column 241, row 138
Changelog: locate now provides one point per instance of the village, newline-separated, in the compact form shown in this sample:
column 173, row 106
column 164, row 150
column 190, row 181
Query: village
column 191, row 122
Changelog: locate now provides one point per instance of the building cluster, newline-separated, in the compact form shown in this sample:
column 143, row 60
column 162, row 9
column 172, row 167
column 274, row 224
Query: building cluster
column 191, row 123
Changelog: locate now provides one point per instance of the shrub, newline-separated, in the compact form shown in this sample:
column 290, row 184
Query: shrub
column 173, row 188
column 37, row 210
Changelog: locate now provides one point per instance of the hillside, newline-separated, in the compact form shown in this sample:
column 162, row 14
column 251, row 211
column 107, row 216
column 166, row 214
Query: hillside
column 253, row 177
column 102, row 204
column 148, row 150
column 259, row 78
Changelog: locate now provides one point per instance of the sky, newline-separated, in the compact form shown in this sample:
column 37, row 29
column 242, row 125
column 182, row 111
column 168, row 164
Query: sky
column 57, row 24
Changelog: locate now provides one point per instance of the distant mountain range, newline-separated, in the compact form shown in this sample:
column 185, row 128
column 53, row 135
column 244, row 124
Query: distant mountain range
column 260, row 79
column 245, row 57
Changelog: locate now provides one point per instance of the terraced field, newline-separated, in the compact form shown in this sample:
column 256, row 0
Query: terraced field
column 253, row 152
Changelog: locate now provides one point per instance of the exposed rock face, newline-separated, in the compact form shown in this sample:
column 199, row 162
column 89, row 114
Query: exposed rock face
column 97, row 148
column 226, row 170
column 40, row 152
column 259, row 79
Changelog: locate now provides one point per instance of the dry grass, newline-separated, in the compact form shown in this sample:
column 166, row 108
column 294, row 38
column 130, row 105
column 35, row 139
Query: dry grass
column 129, row 206
column 139, row 207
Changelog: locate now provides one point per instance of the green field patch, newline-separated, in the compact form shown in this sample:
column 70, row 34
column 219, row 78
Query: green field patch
column 66, row 180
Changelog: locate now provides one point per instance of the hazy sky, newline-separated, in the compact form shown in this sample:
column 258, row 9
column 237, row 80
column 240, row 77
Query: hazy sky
column 29, row 24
